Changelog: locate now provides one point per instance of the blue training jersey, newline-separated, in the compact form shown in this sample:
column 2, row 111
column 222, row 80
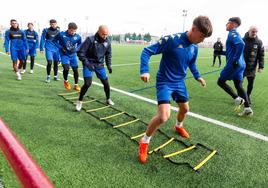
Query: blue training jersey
column 68, row 44
column 32, row 38
column 234, row 49
column 48, row 39
column 16, row 38
column 178, row 53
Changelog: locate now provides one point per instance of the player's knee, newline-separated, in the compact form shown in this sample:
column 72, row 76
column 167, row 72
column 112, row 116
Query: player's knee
column 163, row 118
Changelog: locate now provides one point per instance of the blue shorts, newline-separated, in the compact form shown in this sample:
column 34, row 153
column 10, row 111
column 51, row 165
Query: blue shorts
column 230, row 73
column 52, row 55
column 100, row 72
column 17, row 54
column 32, row 49
column 69, row 60
column 178, row 92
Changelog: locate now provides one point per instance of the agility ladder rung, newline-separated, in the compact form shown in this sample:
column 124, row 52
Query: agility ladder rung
column 161, row 146
column 180, row 151
column 96, row 109
column 205, row 160
column 127, row 123
column 71, row 93
column 137, row 136
column 71, row 98
column 111, row 116
column 84, row 102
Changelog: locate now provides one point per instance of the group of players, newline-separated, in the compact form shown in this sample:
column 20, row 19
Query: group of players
column 179, row 52
column 62, row 46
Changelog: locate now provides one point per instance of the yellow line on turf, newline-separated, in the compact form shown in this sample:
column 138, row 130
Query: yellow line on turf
column 137, row 136
column 87, row 101
column 205, row 160
column 127, row 123
column 70, row 98
column 96, row 109
column 180, row 151
column 163, row 145
column 114, row 115
column 71, row 93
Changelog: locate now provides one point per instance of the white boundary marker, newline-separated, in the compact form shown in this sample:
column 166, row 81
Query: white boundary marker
column 207, row 119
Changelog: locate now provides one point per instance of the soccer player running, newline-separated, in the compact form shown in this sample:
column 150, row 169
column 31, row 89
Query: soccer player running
column 52, row 51
column 254, row 55
column 18, row 46
column 68, row 44
column 234, row 68
column 93, row 51
column 33, row 42
column 178, row 53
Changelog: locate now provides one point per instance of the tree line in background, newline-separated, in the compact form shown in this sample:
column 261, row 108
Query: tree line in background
column 128, row 36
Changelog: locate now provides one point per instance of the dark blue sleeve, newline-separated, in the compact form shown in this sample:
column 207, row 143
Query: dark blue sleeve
column 192, row 65
column 108, row 56
column 43, row 39
column 79, row 43
column 157, row 48
column 82, row 52
column 58, row 41
column 25, row 41
column 7, row 39
column 36, row 40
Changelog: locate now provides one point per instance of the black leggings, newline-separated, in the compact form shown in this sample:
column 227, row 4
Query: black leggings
column 66, row 72
column 214, row 59
column 250, row 85
column 239, row 87
column 32, row 62
column 87, row 84
column 55, row 67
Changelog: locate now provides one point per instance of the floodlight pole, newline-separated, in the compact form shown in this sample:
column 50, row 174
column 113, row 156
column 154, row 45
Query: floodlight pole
column 184, row 15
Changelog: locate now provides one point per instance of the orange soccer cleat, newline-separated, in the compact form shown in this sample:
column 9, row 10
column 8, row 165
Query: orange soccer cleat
column 182, row 132
column 67, row 85
column 143, row 148
column 77, row 88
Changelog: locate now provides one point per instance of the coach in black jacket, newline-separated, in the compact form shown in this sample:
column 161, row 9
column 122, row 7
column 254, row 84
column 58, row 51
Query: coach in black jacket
column 93, row 52
column 254, row 55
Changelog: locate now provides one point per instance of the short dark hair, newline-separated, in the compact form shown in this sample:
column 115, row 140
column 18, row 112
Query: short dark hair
column 52, row 21
column 236, row 20
column 72, row 25
column 13, row 20
column 30, row 23
column 204, row 25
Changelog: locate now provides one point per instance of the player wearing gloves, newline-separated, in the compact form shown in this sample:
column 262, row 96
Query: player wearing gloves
column 93, row 52
column 68, row 44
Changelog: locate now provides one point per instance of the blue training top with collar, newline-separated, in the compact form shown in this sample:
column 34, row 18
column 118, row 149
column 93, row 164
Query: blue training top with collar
column 68, row 44
column 234, row 49
column 178, row 53
column 48, row 39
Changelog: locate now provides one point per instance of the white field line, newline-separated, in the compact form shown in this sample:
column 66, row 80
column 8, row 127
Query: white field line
column 207, row 119
column 129, row 64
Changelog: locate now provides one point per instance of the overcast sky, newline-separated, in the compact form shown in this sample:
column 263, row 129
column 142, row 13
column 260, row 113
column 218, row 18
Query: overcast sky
column 158, row 17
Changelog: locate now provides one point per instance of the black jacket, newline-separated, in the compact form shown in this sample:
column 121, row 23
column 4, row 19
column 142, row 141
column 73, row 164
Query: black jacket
column 253, row 54
column 95, row 50
column 218, row 47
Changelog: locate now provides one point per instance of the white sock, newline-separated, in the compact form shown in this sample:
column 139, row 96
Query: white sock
column 178, row 124
column 18, row 73
column 146, row 139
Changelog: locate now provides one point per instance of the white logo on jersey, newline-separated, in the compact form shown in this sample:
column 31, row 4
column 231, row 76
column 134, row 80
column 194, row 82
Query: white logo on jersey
column 180, row 46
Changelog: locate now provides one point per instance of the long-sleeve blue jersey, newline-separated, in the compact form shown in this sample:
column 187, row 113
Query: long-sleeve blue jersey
column 95, row 50
column 32, row 38
column 234, row 49
column 16, row 38
column 68, row 44
column 178, row 53
column 48, row 39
